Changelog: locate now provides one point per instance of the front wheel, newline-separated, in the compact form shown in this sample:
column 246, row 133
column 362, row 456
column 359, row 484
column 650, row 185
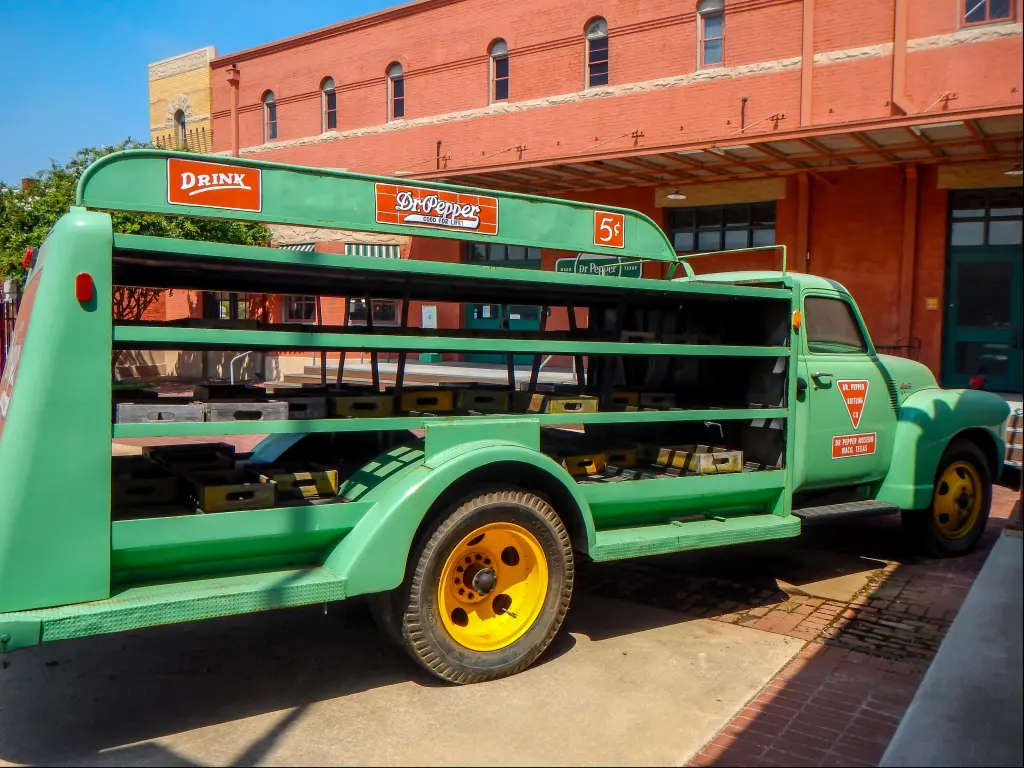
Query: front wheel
column 954, row 522
column 490, row 587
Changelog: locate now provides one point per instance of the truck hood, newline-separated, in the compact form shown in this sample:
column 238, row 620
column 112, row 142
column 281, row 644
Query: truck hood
column 907, row 376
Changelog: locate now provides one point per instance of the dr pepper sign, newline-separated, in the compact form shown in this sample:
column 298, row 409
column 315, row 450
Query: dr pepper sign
column 855, row 397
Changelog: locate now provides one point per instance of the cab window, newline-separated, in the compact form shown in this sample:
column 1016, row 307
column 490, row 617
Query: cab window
column 832, row 327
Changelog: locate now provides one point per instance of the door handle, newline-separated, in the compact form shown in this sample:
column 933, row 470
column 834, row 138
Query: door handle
column 822, row 379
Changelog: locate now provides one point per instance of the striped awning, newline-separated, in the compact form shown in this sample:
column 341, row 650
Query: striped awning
column 370, row 249
column 300, row 247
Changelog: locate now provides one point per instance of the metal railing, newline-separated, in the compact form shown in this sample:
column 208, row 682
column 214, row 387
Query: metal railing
column 8, row 313
column 194, row 140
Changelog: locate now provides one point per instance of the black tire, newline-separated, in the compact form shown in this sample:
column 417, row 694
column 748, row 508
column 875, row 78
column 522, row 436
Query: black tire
column 421, row 628
column 921, row 524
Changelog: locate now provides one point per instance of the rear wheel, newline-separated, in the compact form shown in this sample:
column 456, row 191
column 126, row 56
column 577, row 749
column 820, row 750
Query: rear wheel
column 490, row 587
column 954, row 522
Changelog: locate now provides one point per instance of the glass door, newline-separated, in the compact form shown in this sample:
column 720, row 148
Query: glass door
column 495, row 317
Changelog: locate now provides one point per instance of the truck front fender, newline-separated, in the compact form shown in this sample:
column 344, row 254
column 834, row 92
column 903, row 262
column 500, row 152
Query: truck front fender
column 373, row 557
column 928, row 421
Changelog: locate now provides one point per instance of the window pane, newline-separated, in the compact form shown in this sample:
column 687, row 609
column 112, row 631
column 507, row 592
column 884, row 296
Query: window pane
column 332, row 120
column 998, row 9
column 709, row 217
column 680, row 218
column 737, row 214
column 398, row 110
column 1006, row 203
column 712, row 26
column 599, row 44
column 599, row 69
column 967, row 204
column 501, row 67
column 500, row 90
column 385, row 312
column 398, row 87
column 516, row 253
column 968, row 233
column 713, row 52
column 736, row 238
column 763, row 237
column 357, row 310
column 477, row 252
column 683, row 241
column 984, row 294
column 598, row 80
column 985, row 358
column 974, row 11
column 533, row 254
column 1004, row 233
column 831, row 327
column 272, row 131
column 763, row 213
column 709, row 240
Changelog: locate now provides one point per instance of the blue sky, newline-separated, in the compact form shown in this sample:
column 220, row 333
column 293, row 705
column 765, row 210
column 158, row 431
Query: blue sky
column 76, row 70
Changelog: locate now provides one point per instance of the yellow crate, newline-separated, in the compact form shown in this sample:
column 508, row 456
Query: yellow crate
column 231, row 491
column 549, row 402
column 427, row 400
column 366, row 406
column 702, row 459
column 586, row 464
column 300, row 481
column 484, row 400
column 621, row 457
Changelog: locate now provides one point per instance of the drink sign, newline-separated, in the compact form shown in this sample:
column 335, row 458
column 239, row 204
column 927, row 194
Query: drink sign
column 214, row 185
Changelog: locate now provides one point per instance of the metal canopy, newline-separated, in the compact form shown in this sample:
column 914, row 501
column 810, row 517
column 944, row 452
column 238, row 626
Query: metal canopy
column 143, row 180
column 935, row 138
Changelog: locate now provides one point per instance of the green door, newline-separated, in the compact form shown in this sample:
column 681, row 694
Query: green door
column 495, row 317
column 982, row 329
column 846, row 419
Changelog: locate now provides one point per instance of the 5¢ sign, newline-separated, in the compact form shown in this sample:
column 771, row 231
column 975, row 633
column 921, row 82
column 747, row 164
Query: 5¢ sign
column 609, row 229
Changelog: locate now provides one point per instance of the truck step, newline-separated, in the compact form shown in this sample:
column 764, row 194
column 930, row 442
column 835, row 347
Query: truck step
column 677, row 536
column 847, row 510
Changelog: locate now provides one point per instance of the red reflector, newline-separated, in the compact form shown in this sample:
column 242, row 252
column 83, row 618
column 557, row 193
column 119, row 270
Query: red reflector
column 977, row 381
column 29, row 257
column 83, row 287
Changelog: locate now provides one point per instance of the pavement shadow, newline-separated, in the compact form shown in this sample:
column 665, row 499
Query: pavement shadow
column 81, row 701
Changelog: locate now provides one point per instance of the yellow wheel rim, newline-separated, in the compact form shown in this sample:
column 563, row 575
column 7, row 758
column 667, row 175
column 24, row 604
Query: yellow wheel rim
column 493, row 586
column 958, row 500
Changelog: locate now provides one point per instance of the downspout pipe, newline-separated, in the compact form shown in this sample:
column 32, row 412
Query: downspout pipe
column 900, row 100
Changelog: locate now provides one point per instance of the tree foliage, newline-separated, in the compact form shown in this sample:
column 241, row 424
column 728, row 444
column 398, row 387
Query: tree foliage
column 26, row 216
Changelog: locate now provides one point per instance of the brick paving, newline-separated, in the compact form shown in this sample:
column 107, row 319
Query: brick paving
column 839, row 702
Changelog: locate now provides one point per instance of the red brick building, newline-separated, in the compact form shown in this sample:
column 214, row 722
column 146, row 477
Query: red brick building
column 879, row 141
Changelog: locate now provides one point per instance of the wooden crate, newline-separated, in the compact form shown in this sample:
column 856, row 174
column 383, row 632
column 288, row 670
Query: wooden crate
column 228, row 392
column 365, row 406
column 138, row 480
column 427, row 400
column 550, row 402
column 231, row 490
column 300, row 480
column 703, row 459
column 657, row 399
column 620, row 401
column 484, row 400
column 240, row 410
column 303, row 407
column 192, row 457
column 584, row 464
column 163, row 409
column 621, row 457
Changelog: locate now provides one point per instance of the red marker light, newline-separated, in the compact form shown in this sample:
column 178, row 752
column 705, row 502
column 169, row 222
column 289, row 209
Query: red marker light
column 83, row 287
column 30, row 256
column 977, row 381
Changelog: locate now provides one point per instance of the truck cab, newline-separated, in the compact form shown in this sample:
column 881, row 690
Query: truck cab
column 875, row 433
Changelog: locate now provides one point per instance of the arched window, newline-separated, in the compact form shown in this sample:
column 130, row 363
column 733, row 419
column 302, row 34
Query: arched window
column 269, row 117
column 499, row 71
column 597, row 52
column 180, row 138
column 396, row 92
column 329, row 105
column 710, row 32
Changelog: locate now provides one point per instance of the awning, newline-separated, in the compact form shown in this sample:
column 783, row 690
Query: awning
column 371, row 249
column 300, row 247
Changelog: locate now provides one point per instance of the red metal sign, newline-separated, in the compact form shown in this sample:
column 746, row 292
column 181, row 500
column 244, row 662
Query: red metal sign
column 855, row 395
column 609, row 229
column 213, row 185
column 848, row 446
column 436, row 209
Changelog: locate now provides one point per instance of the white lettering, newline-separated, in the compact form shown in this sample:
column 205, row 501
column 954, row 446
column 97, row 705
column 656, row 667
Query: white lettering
column 204, row 180
column 188, row 180
column 433, row 210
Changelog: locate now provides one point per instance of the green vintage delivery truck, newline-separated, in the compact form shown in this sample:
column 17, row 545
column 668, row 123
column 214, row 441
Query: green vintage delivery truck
column 703, row 411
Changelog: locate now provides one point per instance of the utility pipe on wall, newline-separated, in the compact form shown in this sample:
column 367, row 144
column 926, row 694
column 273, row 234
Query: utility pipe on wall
column 233, row 79
column 909, row 254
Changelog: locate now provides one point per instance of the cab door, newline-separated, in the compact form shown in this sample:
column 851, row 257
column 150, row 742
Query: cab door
column 845, row 400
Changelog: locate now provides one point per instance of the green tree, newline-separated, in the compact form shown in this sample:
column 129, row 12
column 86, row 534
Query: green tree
column 26, row 216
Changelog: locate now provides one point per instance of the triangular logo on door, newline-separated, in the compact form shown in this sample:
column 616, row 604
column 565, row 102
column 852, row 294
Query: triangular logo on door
column 855, row 395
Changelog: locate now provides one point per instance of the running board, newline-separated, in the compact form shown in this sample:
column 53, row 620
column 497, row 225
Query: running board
column 678, row 536
column 845, row 511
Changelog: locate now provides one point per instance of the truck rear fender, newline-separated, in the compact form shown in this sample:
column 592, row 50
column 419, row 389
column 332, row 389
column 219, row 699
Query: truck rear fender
column 374, row 556
column 928, row 421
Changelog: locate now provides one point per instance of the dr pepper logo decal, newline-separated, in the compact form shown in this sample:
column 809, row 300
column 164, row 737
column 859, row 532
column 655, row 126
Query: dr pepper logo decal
column 855, row 395
column 213, row 185
column 436, row 209
column 609, row 229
